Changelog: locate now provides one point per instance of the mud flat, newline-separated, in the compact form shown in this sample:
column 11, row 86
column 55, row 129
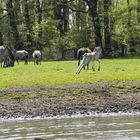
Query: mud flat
column 49, row 101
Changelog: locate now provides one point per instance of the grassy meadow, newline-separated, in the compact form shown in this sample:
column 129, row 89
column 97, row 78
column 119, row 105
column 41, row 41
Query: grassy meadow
column 63, row 72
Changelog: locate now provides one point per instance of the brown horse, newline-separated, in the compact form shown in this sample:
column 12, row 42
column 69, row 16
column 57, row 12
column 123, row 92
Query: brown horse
column 81, row 52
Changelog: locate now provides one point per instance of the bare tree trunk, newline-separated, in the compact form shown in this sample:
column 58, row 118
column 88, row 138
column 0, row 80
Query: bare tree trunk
column 138, row 10
column 1, row 38
column 39, row 20
column 17, row 9
column 107, row 34
column 129, row 25
column 61, row 12
column 12, row 24
column 129, row 14
column 66, row 17
column 93, row 9
column 27, row 23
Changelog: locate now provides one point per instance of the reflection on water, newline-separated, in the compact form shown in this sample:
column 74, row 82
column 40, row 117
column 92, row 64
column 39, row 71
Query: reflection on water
column 73, row 128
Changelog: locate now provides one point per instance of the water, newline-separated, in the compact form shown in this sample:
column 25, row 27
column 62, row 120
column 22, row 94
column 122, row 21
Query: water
column 73, row 128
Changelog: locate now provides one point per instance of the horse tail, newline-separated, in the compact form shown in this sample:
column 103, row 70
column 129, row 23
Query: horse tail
column 36, row 56
column 78, row 54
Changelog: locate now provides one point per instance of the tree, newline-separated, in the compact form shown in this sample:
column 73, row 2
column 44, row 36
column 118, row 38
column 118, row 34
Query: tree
column 38, row 7
column 1, row 36
column 93, row 10
column 27, row 23
column 107, row 34
column 12, row 24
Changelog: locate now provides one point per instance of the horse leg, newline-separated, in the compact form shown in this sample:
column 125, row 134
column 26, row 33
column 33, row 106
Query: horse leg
column 80, row 68
column 4, row 63
column 98, row 65
column 1, row 63
column 78, row 62
column 93, row 66
column 87, row 66
column 26, row 61
column 17, row 61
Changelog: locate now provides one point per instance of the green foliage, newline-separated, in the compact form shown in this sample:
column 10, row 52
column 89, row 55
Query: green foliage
column 123, row 33
column 47, row 25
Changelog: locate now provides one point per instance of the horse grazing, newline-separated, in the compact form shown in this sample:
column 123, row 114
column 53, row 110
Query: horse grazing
column 6, row 56
column 21, row 55
column 37, row 57
column 92, row 56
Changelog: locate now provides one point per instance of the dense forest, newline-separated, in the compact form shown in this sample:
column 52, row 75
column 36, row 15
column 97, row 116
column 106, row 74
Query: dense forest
column 59, row 27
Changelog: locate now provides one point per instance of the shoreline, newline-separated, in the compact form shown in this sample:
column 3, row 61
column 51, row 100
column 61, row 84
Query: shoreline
column 67, row 100
column 89, row 114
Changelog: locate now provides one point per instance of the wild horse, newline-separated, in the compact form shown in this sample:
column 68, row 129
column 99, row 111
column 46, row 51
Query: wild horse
column 37, row 57
column 92, row 56
column 21, row 55
column 6, row 56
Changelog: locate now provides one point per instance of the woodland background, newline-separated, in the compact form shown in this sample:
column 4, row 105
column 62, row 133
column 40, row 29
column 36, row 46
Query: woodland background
column 59, row 27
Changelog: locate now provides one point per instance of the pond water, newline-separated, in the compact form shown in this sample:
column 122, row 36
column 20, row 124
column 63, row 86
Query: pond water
column 73, row 128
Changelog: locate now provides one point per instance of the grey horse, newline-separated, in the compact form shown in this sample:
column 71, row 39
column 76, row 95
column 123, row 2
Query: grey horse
column 21, row 55
column 6, row 56
column 37, row 57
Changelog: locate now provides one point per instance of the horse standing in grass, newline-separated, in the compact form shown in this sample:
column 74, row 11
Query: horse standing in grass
column 92, row 56
column 37, row 57
column 21, row 55
column 6, row 56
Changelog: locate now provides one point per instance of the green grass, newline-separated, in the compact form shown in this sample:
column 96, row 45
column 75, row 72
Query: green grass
column 63, row 72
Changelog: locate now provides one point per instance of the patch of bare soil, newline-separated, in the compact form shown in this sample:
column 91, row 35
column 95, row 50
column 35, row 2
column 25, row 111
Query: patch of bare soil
column 44, row 101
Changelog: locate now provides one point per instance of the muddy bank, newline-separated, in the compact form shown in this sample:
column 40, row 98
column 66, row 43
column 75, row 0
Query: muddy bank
column 45, row 101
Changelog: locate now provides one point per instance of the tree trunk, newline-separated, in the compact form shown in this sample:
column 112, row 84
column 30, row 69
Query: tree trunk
column 13, row 25
column 129, row 14
column 39, row 20
column 93, row 9
column 138, row 10
column 61, row 12
column 27, row 23
column 1, row 38
column 17, row 9
column 129, row 25
column 66, row 17
column 107, row 34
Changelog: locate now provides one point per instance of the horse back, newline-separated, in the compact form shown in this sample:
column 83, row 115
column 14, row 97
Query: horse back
column 2, row 49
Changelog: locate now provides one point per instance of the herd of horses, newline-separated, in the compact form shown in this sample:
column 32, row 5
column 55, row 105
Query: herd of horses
column 7, row 57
